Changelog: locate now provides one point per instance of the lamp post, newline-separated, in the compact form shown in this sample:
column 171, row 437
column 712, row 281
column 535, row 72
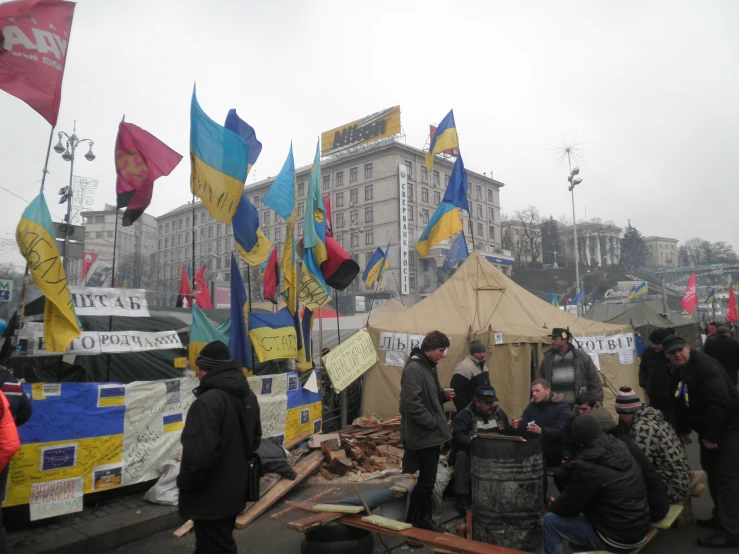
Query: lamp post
column 574, row 181
column 67, row 150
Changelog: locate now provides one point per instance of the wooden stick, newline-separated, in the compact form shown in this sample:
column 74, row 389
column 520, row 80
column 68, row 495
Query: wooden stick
column 369, row 513
column 469, row 524
column 311, row 499
column 184, row 530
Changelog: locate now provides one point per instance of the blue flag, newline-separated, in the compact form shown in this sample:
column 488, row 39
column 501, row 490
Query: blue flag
column 639, row 345
column 250, row 241
column 456, row 190
column 281, row 194
column 248, row 135
column 457, row 252
column 238, row 343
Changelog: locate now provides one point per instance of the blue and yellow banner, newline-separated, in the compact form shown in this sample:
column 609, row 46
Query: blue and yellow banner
column 443, row 224
column 250, row 241
column 220, row 161
column 237, row 125
column 445, row 139
column 201, row 333
column 238, row 344
column 373, row 267
column 37, row 243
column 637, row 291
column 273, row 335
column 281, row 194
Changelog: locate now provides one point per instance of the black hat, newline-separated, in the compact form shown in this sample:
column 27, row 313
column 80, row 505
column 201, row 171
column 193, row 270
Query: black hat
column 476, row 347
column 586, row 429
column 213, row 355
column 486, row 394
column 560, row 333
column 658, row 335
column 672, row 343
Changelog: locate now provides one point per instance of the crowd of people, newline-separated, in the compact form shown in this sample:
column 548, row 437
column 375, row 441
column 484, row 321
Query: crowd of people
column 614, row 478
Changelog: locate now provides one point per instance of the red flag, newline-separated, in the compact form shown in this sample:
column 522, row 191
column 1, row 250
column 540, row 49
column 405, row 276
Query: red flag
column 731, row 308
column 690, row 298
column 87, row 261
column 34, row 35
column 184, row 290
column 271, row 277
column 327, row 210
column 339, row 269
column 140, row 159
column 202, row 294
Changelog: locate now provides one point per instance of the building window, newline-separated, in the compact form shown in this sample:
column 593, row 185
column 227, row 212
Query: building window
column 368, row 192
column 256, row 205
column 368, row 215
column 301, row 209
column 368, row 257
column 410, row 214
column 180, row 224
column 340, row 221
column 424, row 216
column 368, row 171
column 326, row 182
column 202, row 215
column 479, row 211
column 412, row 282
column 266, row 233
column 353, row 196
column 491, row 215
column 446, row 180
column 301, row 189
column 410, row 192
column 424, row 194
column 470, row 227
column 355, row 240
column 412, row 235
column 353, row 175
column 166, row 228
column 409, row 168
column 218, row 263
column 265, row 217
column 219, row 228
column 278, row 235
column 437, row 197
column 478, row 192
column 228, row 245
column 300, row 231
column 412, row 256
column 99, row 235
column 339, row 178
column 369, row 237
column 424, row 175
column 354, row 216
column 479, row 230
column 109, row 234
column 436, row 178
column 491, row 232
column 490, row 195
column 339, row 199
column 161, row 227
column 187, row 221
column 179, row 239
column 218, row 247
column 166, row 242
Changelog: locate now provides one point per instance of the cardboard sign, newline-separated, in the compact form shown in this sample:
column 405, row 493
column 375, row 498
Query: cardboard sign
column 349, row 360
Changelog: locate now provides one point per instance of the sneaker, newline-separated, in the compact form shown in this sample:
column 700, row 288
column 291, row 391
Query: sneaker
column 719, row 540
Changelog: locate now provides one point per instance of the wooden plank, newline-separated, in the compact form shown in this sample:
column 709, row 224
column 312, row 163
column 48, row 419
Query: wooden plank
column 289, row 445
column 311, row 499
column 313, row 521
column 316, row 441
column 452, row 543
column 327, row 474
column 303, row 468
column 184, row 530
column 469, row 523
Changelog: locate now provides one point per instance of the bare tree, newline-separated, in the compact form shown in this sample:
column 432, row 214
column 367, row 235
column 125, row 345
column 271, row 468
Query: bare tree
column 506, row 238
column 530, row 219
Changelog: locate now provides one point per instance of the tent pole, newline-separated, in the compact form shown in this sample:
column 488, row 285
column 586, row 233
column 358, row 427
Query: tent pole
column 373, row 303
column 397, row 286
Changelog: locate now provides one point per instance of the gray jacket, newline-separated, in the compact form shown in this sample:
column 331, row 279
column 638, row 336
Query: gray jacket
column 587, row 377
column 422, row 422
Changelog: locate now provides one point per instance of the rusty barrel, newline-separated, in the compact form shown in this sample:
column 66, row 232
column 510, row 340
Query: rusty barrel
column 507, row 491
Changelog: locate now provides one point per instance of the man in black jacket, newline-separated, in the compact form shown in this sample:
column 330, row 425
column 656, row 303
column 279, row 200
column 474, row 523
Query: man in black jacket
column 604, row 507
column 707, row 402
column 726, row 350
column 654, row 373
column 481, row 415
column 469, row 375
column 214, row 470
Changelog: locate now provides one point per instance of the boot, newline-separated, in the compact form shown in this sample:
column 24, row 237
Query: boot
column 412, row 518
column 425, row 519
column 463, row 503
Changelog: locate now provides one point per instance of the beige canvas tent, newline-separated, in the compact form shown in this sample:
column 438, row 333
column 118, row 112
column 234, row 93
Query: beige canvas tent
column 480, row 302
column 389, row 309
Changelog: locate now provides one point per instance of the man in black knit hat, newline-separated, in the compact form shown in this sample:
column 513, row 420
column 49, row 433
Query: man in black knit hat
column 470, row 374
column 654, row 373
column 221, row 434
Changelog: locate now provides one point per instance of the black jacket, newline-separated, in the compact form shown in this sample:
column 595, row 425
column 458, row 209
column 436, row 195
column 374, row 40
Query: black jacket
column 468, row 375
column 608, row 488
column 464, row 424
column 726, row 351
column 552, row 416
column 657, row 498
column 654, row 377
column 713, row 399
column 213, row 473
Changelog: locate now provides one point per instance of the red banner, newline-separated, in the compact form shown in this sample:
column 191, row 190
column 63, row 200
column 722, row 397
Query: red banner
column 202, row 294
column 87, row 261
column 690, row 298
column 34, row 36
column 731, row 307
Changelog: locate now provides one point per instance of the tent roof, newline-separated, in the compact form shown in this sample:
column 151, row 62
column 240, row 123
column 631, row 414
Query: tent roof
column 642, row 314
column 478, row 297
column 389, row 309
column 603, row 311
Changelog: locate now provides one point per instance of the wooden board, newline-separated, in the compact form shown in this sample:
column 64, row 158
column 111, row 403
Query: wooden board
column 451, row 543
column 311, row 522
column 316, row 441
column 303, row 468
column 311, row 499
column 289, row 445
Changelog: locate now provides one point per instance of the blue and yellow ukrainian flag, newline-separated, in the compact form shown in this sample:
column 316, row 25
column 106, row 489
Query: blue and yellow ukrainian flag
column 552, row 299
column 251, row 243
column 372, row 270
column 314, row 291
column 446, row 220
column 711, row 298
column 638, row 291
column 237, row 125
column 201, row 333
column 273, row 335
column 445, row 139
column 238, row 342
column 37, row 243
column 219, row 160
column 281, row 194
column 172, row 422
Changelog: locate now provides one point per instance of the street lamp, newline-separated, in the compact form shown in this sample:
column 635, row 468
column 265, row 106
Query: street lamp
column 67, row 149
column 574, row 181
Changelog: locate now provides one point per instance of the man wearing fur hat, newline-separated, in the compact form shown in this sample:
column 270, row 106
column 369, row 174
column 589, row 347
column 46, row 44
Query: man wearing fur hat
column 569, row 369
column 221, row 434
column 470, row 374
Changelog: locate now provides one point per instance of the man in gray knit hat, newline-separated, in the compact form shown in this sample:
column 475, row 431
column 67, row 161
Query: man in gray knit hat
column 470, row 374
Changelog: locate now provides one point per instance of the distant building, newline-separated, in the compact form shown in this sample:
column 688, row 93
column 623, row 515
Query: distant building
column 598, row 244
column 662, row 251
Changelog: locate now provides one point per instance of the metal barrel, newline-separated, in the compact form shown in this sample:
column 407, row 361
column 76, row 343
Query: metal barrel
column 507, row 491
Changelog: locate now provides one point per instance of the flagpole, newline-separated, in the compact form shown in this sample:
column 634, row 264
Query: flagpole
column 338, row 327
column 248, row 281
column 373, row 302
column 110, row 318
column 24, row 284
column 472, row 230
column 397, row 286
column 192, row 270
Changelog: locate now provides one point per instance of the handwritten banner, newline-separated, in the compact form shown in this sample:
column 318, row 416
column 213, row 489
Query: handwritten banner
column 612, row 344
column 113, row 342
column 55, row 498
column 349, row 360
column 98, row 301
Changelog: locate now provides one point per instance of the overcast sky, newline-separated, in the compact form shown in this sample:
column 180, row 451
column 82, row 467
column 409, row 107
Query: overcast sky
column 652, row 87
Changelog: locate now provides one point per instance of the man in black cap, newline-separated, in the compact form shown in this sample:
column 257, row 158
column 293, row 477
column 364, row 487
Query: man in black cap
column 654, row 373
column 469, row 375
column 482, row 415
column 569, row 370
column 221, row 434
column 707, row 402
column 604, row 506
column 726, row 350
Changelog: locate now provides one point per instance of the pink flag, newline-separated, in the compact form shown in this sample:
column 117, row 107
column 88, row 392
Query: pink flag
column 34, row 35
column 690, row 298
column 140, row 159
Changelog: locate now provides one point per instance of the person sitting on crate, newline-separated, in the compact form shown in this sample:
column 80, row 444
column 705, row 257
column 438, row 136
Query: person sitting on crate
column 481, row 415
